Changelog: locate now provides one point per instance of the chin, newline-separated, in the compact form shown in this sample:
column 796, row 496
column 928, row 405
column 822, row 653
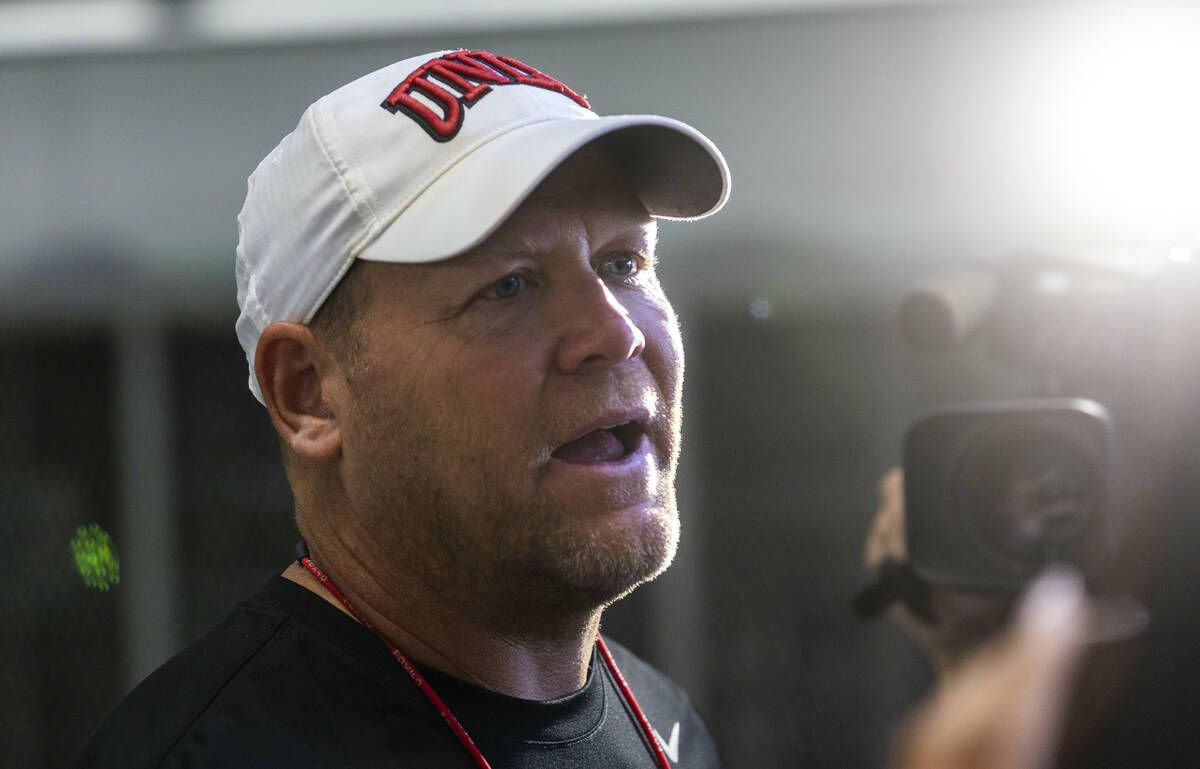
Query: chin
column 609, row 564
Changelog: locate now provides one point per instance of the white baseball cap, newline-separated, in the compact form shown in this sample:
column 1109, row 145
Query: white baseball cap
column 421, row 161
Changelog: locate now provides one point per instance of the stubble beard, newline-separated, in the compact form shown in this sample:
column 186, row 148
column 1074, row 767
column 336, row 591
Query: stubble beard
column 448, row 520
column 591, row 567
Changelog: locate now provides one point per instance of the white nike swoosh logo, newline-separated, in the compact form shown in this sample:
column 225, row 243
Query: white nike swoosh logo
column 671, row 748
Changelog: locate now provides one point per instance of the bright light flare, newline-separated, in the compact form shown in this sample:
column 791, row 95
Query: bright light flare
column 1115, row 120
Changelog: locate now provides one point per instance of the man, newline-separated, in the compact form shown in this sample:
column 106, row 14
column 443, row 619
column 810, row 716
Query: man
column 450, row 310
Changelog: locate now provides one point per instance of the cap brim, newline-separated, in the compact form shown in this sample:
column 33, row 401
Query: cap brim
column 676, row 171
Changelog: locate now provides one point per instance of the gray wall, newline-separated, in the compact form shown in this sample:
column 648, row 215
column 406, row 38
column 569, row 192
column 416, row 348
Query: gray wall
column 862, row 142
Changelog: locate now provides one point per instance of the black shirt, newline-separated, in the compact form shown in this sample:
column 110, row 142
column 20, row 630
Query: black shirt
column 287, row 680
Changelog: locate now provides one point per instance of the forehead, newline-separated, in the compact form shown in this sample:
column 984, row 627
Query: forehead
column 586, row 203
column 588, row 195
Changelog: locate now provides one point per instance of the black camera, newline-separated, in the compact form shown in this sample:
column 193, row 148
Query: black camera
column 996, row 491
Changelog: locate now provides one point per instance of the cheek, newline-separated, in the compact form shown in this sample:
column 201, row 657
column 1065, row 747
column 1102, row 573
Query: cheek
column 664, row 348
column 496, row 393
column 513, row 366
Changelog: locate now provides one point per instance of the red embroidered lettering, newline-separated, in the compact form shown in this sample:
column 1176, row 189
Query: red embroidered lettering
column 441, row 127
column 460, row 79
column 459, row 70
column 527, row 75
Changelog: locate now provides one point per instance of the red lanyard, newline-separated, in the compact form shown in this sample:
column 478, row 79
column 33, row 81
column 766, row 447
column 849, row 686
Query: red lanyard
column 444, row 709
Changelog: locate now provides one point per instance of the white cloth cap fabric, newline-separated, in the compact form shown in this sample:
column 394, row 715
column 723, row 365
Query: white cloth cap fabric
column 421, row 161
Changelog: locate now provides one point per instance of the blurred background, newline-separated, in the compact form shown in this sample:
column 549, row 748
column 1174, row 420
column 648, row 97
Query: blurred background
column 871, row 143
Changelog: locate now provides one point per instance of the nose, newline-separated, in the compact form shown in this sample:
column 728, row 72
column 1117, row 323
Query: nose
column 598, row 331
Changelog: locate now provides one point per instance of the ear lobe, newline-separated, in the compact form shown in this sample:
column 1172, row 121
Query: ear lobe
column 294, row 375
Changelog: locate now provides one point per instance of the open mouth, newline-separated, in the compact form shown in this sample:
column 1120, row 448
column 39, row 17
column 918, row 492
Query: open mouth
column 606, row 444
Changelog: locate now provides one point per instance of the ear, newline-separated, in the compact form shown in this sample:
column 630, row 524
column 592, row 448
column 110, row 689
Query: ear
column 298, row 378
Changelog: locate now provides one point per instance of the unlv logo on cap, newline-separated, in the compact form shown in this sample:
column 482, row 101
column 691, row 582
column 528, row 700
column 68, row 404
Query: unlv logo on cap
column 460, row 79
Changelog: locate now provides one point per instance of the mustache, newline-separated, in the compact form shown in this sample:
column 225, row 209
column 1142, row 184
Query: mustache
column 632, row 393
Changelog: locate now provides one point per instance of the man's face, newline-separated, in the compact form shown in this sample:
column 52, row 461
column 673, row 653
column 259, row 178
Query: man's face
column 513, row 427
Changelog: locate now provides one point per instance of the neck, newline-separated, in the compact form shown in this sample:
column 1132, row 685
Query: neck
column 436, row 631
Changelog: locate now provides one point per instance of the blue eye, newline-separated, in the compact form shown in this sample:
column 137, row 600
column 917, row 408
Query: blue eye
column 508, row 286
column 622, row 265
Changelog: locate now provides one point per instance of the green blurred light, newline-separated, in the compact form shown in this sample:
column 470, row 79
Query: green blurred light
column 96, row 557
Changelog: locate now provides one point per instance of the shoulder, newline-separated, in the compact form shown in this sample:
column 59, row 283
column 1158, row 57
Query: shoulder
column 678, row 726
column 255, row 691
column 156, row 715
column 644, row 677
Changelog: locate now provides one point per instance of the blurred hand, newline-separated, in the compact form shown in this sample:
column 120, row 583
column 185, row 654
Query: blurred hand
column 1004, row 707
column 962, row 620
